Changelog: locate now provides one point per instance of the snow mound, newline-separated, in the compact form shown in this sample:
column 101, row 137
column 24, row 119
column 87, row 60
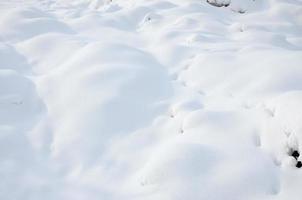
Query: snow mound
column 161, row 99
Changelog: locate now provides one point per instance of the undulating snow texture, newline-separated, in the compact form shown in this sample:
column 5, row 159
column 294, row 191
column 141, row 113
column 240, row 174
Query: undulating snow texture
column 150, row 100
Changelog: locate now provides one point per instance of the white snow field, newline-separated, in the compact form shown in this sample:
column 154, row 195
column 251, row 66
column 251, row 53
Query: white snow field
column 150, row 99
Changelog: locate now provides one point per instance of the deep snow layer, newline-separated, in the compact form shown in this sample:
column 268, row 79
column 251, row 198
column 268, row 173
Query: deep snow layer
column 161, row 99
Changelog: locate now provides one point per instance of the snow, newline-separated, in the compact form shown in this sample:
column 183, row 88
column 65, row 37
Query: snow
column 162, row 99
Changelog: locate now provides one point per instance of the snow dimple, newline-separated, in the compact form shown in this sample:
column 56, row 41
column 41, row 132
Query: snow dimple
column 162, row 99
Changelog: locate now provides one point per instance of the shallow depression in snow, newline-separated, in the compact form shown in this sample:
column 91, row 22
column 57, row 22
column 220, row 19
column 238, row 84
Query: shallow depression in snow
column 162, row 99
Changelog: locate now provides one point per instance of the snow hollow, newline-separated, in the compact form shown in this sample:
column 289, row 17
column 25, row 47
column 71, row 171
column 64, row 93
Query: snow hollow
column 150, row 99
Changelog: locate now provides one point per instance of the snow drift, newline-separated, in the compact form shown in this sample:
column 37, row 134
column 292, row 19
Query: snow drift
column 158, row 99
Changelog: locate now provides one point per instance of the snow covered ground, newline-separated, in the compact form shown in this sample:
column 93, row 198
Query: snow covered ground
column 150, row 99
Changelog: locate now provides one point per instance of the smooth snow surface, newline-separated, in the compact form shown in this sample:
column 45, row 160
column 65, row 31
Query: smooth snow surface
column 150, row 99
